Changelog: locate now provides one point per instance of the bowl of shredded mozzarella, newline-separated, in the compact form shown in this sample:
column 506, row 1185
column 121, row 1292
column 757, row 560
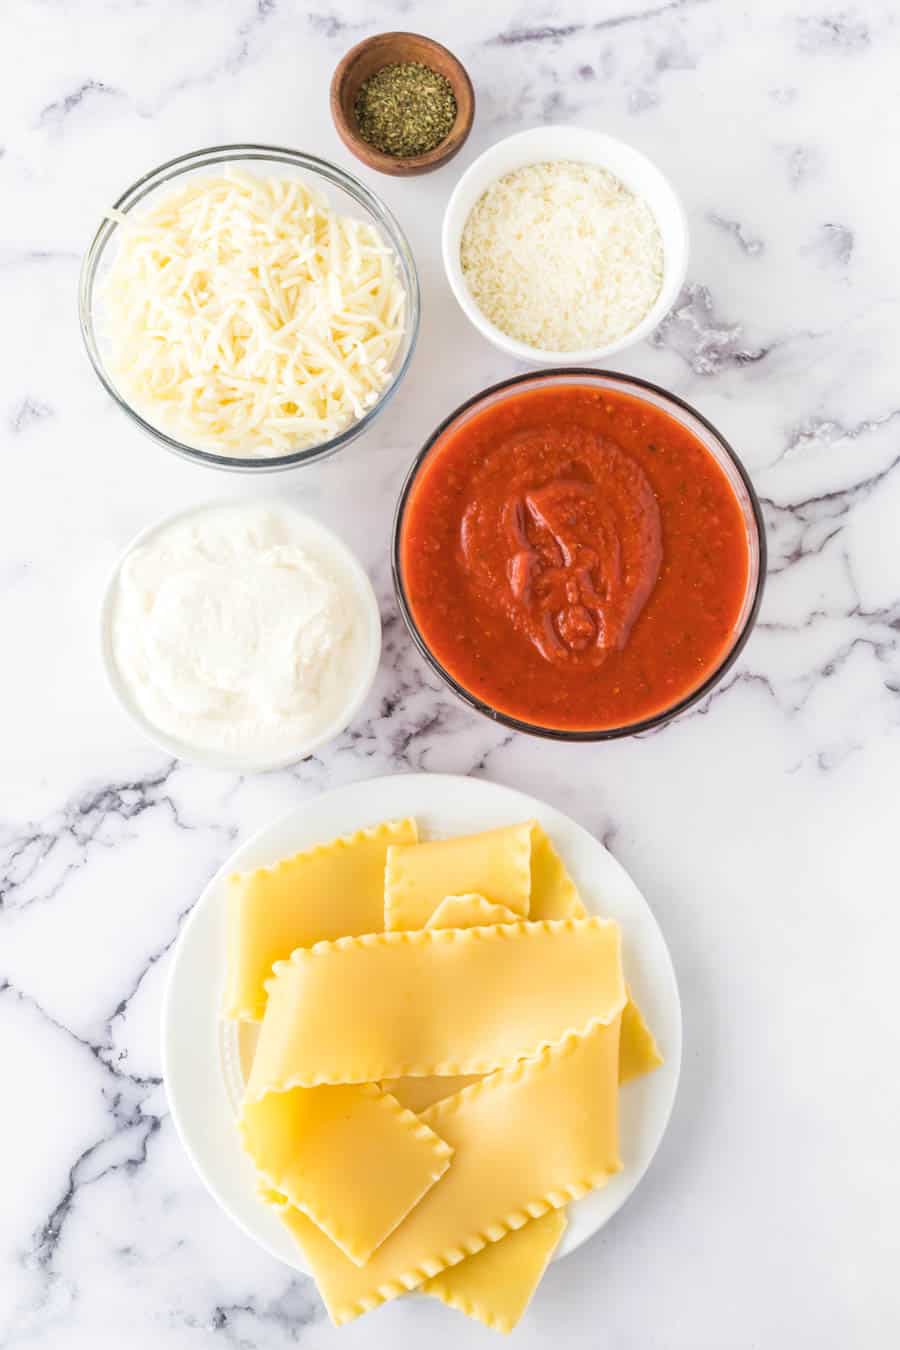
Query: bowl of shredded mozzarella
column 564, row 245
column 250, row 307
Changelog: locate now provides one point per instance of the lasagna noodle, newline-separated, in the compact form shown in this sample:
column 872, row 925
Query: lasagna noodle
column 417, row 1094
column 351, row 1158
column 496, row 864
column 553, row 892
column 638, row 1055
column 325, row 892
column 496, row 1284
column 638, row 1052
column 565, row 1097
column 470, row 911
column 456, row 911
column 437, row 1001
column 554, row 895
column 304, row 1142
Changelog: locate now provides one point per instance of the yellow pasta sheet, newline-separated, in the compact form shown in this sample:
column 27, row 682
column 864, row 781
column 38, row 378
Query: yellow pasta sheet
column 318, row 1145
column 438, row 1001
column 352, row 1158
column 456, row 911
column 554, row 895
column 638, row 1053
column 553, row 892
column 327, row 892
column 526, row 1140
column 417, row 1094
column 496, row 864
column 496, row 1284
column 470, row 911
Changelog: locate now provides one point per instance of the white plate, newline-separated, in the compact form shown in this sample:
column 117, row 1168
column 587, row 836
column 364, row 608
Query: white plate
column 198, row 1057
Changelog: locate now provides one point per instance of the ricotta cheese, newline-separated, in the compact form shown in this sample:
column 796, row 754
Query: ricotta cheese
column 562, row 256
column 234, row 631
column 243, row 316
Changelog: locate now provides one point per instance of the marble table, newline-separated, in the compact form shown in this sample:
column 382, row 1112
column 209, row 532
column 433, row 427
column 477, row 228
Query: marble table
column 762, row 826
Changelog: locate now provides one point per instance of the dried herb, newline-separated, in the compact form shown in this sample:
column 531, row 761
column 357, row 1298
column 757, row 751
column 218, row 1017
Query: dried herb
column 405, row 109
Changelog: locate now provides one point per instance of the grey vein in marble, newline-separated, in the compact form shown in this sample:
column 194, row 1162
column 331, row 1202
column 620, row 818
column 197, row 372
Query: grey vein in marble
column 836, row 30
column 82, row 824
column 30, row 410
column 56, row 113
column 746, row 242
column 708, row 344
column 557, row 33
column 833, row 244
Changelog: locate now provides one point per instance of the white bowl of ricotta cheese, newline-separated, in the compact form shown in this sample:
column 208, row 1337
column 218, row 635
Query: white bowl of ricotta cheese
column 240, row 636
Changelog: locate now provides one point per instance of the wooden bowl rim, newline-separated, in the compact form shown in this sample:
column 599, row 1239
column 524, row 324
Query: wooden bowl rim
column 368, row 154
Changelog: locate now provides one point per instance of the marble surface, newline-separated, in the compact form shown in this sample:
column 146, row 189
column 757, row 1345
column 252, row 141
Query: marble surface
column 762, row 827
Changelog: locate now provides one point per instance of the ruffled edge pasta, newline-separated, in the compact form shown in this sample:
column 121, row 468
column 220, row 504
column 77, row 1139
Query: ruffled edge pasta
column 417, row 937
column 336, row 845
column 471, row 1244
column 397, row 889
column 488, row 912
column 328, row 1221
column 529, row 930
column 233, row 1007
column 444, row 1286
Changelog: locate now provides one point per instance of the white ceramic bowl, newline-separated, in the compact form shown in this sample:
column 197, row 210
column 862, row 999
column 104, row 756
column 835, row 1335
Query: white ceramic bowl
column 347, row 568
column 543, row 144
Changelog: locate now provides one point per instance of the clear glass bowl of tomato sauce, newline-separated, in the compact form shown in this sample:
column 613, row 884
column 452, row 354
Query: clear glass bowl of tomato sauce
column 578, row 554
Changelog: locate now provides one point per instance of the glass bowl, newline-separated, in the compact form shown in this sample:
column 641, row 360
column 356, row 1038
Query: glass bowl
column 712, row 441
column 344, row 192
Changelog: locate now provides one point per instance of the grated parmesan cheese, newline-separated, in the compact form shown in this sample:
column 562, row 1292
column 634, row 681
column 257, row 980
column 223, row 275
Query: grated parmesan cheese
column 243, row 316
column 562, row 256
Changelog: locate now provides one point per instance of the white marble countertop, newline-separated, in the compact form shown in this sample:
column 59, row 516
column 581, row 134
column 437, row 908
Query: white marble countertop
column 762, row 827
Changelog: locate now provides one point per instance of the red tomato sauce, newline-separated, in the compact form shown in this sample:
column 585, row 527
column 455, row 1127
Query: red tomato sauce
column 574, row 557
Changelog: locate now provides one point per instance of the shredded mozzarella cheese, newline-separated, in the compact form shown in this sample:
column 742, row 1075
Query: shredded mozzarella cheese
column 562, row 256
column 244, row 316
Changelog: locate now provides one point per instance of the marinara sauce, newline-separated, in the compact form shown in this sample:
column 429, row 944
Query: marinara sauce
column 574, row 557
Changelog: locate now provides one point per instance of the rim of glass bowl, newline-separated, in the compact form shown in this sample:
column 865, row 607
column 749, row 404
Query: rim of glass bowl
column 274, row 154
column 630, row 382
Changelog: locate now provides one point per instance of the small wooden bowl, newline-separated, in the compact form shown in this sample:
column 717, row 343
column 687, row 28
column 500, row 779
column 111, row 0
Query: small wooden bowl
column 387, row 49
